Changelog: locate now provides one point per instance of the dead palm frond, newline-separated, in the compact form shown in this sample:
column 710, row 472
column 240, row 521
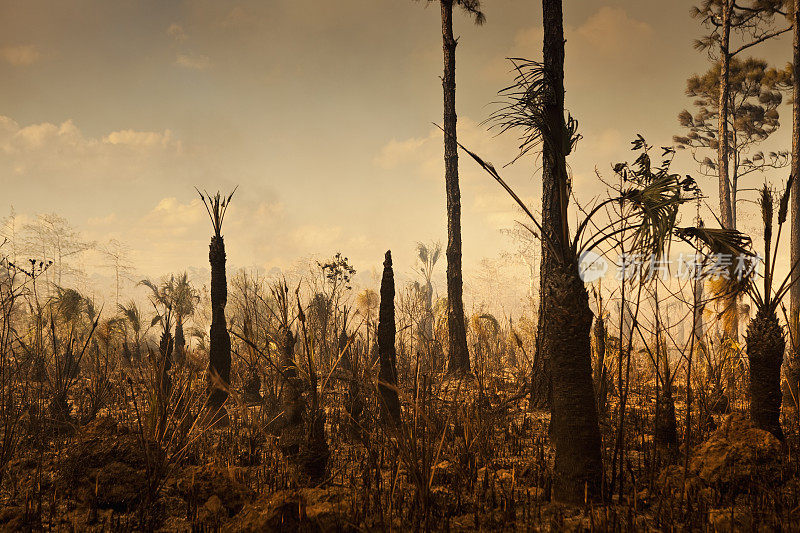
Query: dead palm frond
column 767, row 298
column 717, row 240
column 132, row 315
column 525, row 107
column 216, row 206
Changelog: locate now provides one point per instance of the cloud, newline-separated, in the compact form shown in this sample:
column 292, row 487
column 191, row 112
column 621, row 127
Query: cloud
column 609, row 34
column 239, row 17
column 193, row 62
column 176, row 31
column 139, row 138
column 313, row 237
column 171, row 219
column 395, row 152
column 64, row 138
column 20, row 55
column 102, row 221
column 49, row 152
column 612, row 30
column 426, row 153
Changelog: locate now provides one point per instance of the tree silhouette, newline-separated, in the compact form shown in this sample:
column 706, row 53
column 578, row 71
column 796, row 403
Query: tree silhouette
column 457, row 331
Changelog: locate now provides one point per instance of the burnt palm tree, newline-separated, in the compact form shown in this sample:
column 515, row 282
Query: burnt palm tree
column 457, row 331
column 536, row 106
column 646, row 212
column 766, row 338
column 219, row 357
column 294, row 406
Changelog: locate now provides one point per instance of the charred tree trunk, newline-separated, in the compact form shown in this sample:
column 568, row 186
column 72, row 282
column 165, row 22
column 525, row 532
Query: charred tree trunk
column 344, row 349
column 600, row 375
column 565, row 339
column 355, row 403
column 793, row 366
column 252, row 388
column 165, row 347
column 387, row 377
column 179, row 351
column 574, row 427
column 666, row 431
column 291, row 397
column 457, row 332
column 765, row 347
column 666, row 425
column 219, row 363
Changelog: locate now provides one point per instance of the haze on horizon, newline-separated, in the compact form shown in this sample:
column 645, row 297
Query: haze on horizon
column 321, row 113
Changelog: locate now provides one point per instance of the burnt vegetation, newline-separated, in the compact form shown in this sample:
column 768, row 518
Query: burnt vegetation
column 303, row 401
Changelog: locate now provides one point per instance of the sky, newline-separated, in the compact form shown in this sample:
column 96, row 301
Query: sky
column 320, row 112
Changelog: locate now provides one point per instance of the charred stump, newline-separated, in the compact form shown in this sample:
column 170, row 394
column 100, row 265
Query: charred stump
column 600, row 374
column 765, row 347
column 387, row 377
column 164, row 365
column 291, row 397
column 219, row 360
column 179, row 351
column 666, row 430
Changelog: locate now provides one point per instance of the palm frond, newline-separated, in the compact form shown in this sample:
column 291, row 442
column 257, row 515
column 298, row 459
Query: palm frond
column 216, row 206
column 718, row 240
column 524, row 109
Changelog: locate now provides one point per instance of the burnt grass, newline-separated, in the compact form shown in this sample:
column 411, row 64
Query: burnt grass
column 469, row 455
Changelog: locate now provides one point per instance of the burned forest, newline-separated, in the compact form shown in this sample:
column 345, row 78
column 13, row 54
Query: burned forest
column 262, row 270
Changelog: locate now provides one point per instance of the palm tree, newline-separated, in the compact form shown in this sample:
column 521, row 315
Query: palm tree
column 536, row 105
column 457, row 331
column 219, row 357
column 650, row 196
column 161, row 300
column 428, row 256
column 185, row 299
column 766, row 339
column 132, row 319
column 294, row 406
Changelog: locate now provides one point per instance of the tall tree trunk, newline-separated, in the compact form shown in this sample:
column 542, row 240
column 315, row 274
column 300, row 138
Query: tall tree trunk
column 219, row 359
column 565, row 342
column 722, row 126
column 387, row 377
column 765, row 347
column 457, row 332
column 793, row 368
column 730, row 313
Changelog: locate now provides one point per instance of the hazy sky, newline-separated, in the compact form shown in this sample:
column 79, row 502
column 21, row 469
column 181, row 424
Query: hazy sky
column 112, row 111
